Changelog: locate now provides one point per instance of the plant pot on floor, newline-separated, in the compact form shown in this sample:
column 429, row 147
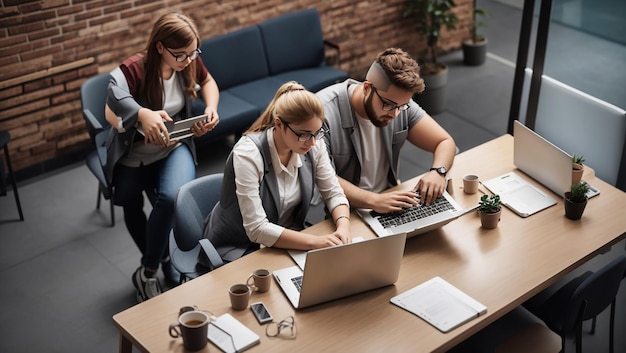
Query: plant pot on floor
column 474, row 53
column 573, row 210
column 433, row 99
column 490, row 220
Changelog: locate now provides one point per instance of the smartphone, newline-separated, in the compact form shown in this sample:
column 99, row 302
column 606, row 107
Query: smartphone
column 261, row 313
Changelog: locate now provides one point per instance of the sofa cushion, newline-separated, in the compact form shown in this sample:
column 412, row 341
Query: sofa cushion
column 235, row 57
column 236, row 115
column 316, row 78
column 293, row 41
column 259, row 92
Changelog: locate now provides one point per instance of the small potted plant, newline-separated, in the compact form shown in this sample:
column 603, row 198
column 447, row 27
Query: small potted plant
column 577, row 168
column 489, row 209
column 575, row 200
column 475, row 48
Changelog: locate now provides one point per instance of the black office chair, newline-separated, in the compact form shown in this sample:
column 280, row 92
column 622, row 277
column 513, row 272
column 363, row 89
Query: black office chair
column 564, row 308
column 93, row 95
column 194, row 201
column 5, row 137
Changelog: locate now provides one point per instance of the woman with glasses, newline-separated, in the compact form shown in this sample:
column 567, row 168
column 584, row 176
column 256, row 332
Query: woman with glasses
column 270, row 179
column 148, row 90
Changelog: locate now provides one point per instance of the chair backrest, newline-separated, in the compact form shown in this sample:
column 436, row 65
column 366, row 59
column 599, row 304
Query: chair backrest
column 194, row 201
column 293, row 41
column 595, row 293
column 236, row 57
column 93, row 96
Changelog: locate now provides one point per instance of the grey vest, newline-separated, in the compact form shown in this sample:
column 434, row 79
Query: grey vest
column 224, row 225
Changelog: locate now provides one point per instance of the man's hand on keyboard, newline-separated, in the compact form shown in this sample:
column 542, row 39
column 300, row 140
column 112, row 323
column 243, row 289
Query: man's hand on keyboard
column 395, row 201
column 430, row 186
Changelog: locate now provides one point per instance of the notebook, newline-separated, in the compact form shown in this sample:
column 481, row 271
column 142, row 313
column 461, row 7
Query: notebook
column 542, row 161
column 230, row 335
column 415, row 220
column 364, row 265
column 180, row 129
column 440, row 304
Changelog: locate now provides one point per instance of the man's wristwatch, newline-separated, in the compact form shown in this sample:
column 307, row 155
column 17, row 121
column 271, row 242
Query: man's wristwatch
column 441, row 170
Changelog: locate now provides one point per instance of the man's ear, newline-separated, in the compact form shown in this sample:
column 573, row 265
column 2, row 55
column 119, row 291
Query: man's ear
column 367, row 86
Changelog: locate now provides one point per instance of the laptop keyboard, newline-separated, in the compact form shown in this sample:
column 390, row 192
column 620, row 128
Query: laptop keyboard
column 297, row 281
column 394, row 219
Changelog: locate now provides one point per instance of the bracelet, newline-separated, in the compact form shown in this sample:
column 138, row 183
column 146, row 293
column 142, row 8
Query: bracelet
column 340, row 217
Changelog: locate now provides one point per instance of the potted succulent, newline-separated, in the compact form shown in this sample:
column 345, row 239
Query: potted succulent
column 431, row 16
column 577, row 168
column 489, row 209
column 475, row 48
column 575, row 200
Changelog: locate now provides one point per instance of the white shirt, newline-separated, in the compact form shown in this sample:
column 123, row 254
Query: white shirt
column 249, row 171
column 141, row 153
column 374, row 166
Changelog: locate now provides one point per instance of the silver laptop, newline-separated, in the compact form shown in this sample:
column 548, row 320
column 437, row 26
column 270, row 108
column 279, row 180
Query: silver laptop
column 180, row 129
column 415, row 220
column 365, row 265
column 542, row 161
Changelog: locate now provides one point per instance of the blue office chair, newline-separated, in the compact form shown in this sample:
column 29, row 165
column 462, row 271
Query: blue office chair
column 564, row 307
column 93, row 95
column 194, row 201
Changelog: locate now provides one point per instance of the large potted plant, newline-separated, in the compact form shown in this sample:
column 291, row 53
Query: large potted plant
column 475, row 48
column 489, row 209
column 431, row 16
column 575, row 200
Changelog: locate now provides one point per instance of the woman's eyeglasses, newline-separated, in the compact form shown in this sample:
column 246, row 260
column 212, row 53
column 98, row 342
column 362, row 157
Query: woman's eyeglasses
column 183, row 57
column 303, row 137
column 389, row 105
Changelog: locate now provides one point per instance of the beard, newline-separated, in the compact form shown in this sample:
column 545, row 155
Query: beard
column 378, row 121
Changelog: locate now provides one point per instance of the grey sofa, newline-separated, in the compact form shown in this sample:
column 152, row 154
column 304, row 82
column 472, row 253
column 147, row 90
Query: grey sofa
column 250, row 64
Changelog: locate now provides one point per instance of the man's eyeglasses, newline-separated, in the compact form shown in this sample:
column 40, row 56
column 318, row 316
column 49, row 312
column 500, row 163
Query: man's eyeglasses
column 183, row 57
column 303, row 137
column 389, row 105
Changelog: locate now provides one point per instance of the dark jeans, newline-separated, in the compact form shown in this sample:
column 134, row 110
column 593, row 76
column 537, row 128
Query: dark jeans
column 166, row 176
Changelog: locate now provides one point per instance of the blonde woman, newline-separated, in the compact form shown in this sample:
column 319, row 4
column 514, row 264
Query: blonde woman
column 269, row 181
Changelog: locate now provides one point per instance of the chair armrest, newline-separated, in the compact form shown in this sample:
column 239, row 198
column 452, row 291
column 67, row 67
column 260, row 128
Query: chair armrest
column 334, row 59
column 91, row 119
column 214, row 258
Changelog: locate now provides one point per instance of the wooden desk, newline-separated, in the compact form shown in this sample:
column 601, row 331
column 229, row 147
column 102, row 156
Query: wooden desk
column 501, row 268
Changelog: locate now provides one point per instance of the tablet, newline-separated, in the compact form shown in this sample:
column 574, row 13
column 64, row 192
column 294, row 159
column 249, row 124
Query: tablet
column 179, row 129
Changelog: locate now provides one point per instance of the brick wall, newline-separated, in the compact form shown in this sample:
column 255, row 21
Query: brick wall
column 49, row 48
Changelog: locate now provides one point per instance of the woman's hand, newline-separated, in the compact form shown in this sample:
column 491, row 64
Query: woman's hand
column 152, row 123
column 202, row 127
column 335, row 238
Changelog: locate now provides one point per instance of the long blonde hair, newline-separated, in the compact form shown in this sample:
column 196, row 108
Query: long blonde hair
column 291, row 103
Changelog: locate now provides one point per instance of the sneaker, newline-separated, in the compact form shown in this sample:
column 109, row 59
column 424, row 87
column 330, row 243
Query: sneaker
column 147, row 287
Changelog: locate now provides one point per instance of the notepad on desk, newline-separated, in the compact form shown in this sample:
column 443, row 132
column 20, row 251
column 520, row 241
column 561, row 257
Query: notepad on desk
column 440, row 304
column 230, row 335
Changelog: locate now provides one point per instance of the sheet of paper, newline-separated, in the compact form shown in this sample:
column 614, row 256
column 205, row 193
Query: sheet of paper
column 440, row 304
